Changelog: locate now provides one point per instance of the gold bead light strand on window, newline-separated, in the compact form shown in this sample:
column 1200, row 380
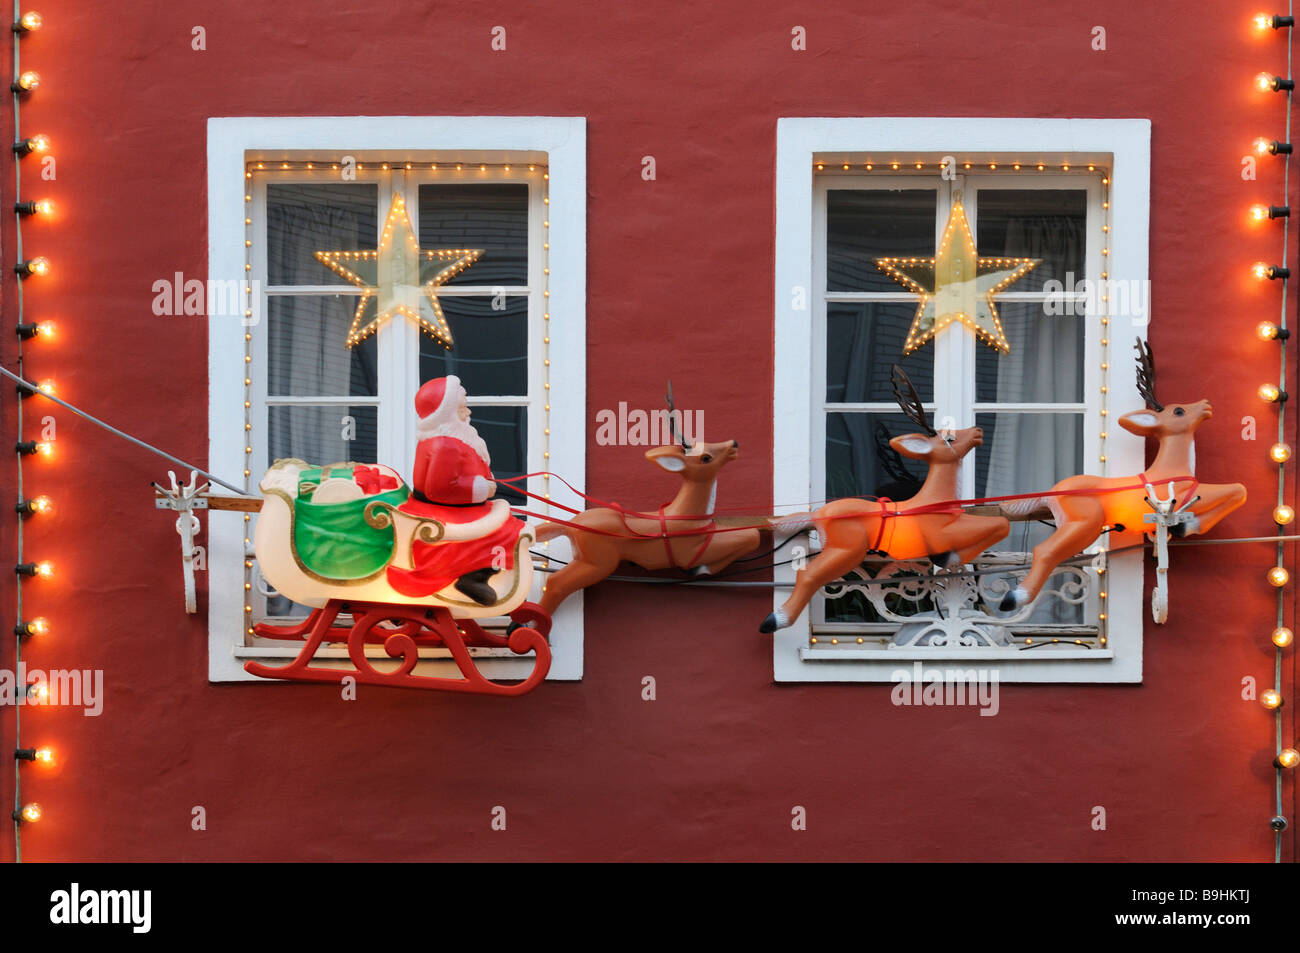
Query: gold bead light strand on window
column 546, row 346
column 248, row 392
column 1104, row 433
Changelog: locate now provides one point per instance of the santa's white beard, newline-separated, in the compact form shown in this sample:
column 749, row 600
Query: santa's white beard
column 463, row 431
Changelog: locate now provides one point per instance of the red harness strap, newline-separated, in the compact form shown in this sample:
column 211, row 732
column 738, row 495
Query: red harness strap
column 884, row 521
column 708, row 532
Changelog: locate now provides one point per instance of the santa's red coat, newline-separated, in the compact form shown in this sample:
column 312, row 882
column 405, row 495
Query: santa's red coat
column 445, row 469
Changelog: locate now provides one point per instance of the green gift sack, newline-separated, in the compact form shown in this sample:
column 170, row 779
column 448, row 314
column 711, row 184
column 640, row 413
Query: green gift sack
column 333, row 540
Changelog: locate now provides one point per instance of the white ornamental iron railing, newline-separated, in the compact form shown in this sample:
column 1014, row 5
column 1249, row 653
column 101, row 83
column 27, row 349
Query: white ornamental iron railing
column 930, row 608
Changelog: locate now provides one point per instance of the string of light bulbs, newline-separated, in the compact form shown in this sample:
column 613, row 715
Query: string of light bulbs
column 1279, row 576
column 25, row 571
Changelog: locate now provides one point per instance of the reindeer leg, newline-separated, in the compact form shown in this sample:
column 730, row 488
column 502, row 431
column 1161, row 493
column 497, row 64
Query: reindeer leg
column 740, row 543
column 1080, row 523
column 586, row 569
column 1218, row 501
column 968, row 536
column 997, row 531
column 829, row 565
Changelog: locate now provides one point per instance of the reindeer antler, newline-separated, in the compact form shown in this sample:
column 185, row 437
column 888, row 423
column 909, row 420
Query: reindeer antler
column 1146, row 375
column 672, row 420
column 908, row 399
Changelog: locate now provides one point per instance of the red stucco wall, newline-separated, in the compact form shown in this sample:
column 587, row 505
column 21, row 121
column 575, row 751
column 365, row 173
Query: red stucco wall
column 680, row 285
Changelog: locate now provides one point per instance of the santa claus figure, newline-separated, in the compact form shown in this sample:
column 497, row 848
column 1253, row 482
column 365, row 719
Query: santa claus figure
column 453, row 484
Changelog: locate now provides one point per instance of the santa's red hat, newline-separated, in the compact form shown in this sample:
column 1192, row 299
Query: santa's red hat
column 437, row 401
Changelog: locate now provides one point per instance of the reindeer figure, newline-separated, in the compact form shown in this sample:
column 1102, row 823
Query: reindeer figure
column 852, row 528
column 1084, row 505
column 614, row 536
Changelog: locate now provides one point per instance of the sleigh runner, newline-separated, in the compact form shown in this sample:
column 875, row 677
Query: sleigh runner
column 343, row 539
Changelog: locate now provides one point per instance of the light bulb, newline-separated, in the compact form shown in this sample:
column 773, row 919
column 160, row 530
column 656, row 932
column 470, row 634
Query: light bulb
column 1264, row 82
column 1278, row 576
column 1282, row 636
column 1280, row 452
column 45, row 755
column 45, row 569
column 29, row 22
column 1269, row 392
column 26, row 81
column 36, row 505
column 1265, row 146
column 35, row 266
column 1263, row 271
column 1283, row 514
column 1259, row 213
column 45, row 448
column 1287, row 758
column 1278, row 21
column 37, row 626
column 31, row 813
column 38, row 693
column 1267, row 331
column 31, row 144
column 1270, row 699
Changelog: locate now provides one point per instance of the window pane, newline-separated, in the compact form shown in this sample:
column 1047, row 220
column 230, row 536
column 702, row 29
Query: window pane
column 307, row 353
column 302, row 219
column 492, row 217
column 1024, row 452
column 323, row 435
column 490, row 348
column 865, row 224
column 1049, row 224
column 505, row 430
column 863, row 342
column 1045, row 364
column 860, row 462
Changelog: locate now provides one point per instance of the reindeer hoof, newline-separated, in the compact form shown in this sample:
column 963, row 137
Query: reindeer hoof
column 775, row 620
column 945, row 560
column 1014, row 599
column 699, row 571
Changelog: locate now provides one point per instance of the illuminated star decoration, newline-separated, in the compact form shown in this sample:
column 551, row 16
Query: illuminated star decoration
column 398, row 286
column 956, row 285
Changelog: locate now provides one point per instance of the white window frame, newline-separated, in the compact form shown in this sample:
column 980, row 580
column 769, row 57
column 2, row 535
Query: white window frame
column 1123, row 145
column 559, row 143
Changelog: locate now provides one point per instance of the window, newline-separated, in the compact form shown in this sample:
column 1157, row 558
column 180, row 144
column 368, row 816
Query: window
column 1064, row 204
column 500, row 202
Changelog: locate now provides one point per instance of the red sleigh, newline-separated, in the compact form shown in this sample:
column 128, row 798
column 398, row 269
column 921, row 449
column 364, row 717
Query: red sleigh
column 380, row 615
column 402, row 630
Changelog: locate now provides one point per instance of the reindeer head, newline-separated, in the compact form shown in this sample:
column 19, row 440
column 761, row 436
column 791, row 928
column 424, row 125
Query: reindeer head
column 1158, row 420
column 930, row 446
column 697, row 464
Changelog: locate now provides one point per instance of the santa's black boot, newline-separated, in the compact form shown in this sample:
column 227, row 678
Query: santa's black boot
column 475, row 585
